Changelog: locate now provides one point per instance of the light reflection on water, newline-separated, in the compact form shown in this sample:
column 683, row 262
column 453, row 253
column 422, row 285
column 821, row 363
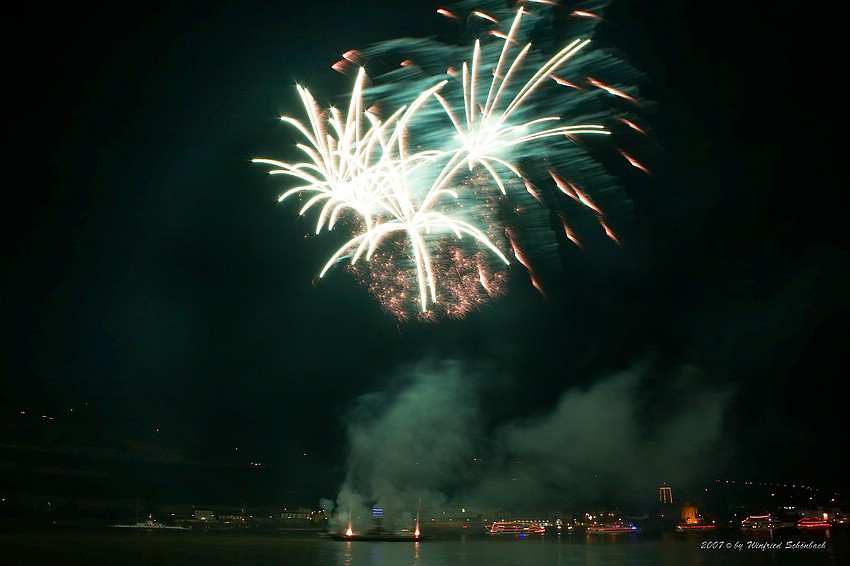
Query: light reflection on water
column 179, row 549
column 673, row 549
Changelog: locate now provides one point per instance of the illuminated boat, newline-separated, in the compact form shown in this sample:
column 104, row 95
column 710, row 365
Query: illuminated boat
column 514, row 528
column 812, row 523
column 151, row 525
column 763, row 523
column 698, row 525
column 695, row 524
column 618, row 528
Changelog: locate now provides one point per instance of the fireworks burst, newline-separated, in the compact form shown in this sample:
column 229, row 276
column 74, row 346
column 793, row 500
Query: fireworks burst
column 432, row 196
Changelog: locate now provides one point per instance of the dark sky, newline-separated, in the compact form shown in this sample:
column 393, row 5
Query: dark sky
column 150, row 283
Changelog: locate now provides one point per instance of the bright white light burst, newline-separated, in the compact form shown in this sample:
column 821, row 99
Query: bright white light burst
column 422, row 192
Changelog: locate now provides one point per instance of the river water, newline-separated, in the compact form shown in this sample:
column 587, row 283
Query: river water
column 121, row 548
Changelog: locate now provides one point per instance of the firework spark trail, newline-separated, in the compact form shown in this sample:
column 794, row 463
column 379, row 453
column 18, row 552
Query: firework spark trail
column 487, row 132
column 423, row 191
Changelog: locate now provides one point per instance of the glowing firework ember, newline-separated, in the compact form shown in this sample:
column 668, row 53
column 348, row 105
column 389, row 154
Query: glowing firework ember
column 433, row 196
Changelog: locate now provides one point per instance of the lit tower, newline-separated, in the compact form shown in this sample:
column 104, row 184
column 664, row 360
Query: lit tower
column 665, row 494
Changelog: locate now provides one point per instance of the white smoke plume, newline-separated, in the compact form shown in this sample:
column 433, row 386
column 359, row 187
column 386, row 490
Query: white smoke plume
column 409, row 444
column 420, row 444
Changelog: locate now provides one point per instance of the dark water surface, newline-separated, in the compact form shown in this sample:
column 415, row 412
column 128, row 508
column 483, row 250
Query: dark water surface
column 122, row 548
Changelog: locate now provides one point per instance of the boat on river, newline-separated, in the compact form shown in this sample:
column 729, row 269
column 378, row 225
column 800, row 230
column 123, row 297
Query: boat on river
column 514, row 528
column 813, row 523
column 617, row 528
column 764, row 523
column 696, row 525
column 150, row 525
column 379, row 534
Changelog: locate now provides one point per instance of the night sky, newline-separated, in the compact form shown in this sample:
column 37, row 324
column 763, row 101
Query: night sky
column 160, row 306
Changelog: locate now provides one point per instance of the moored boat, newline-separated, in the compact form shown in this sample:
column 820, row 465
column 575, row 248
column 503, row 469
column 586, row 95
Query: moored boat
column 380, row 534
column 697, row 525
column 150, row 524
column 812, row 523
column 612, row 529
column 764, row 523
column 514, row 528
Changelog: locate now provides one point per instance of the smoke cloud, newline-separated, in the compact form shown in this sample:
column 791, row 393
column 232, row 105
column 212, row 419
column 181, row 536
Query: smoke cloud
column 419, row 446
column 411, row 443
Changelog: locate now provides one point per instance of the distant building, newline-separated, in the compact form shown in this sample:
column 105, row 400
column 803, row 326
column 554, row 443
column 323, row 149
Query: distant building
column 462, row 515
column 689, row 514
column 666, row 515
column 300, row 514
column 204, row 515
column 601, row 515
column 502, row 515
